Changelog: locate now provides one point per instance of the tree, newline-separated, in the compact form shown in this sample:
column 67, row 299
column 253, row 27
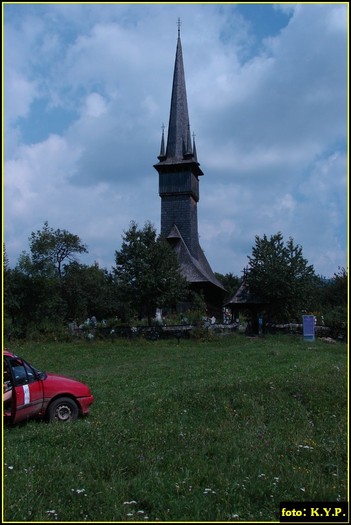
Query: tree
column 230, row 282
column 8, row 296
column 281, row 277
column 147, row 272
column 51, row 249
column 336, row 292
column 335, row 303
column 34, row 288
column 11, row 304
column 87, row 291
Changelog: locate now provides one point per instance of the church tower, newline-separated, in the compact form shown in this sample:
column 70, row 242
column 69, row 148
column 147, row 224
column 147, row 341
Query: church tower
column 179, row 172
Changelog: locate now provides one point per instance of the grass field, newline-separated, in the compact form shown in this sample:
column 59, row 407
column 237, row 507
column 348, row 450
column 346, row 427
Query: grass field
column 196, row 431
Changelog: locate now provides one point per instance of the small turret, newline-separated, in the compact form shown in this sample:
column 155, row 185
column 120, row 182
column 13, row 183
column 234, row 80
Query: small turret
column 162, row 155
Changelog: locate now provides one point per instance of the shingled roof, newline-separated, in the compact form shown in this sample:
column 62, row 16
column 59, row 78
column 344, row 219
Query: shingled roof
column 243, row 296
column 180, row 148
column 194, row 270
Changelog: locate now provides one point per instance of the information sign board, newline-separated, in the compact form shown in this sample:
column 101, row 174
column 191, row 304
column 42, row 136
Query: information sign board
column 308, row 328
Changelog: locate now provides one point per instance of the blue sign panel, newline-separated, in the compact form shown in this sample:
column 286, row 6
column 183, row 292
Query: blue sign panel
column 308, row 327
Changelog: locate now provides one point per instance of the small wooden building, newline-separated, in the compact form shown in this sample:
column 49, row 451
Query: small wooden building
column 246, row 303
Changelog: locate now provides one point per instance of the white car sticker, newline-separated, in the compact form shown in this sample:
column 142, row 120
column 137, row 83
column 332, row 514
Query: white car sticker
column 26, row 393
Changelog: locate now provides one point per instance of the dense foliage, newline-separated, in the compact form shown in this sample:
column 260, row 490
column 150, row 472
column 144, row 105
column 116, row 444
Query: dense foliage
column 334, row 303
column 230, row 282
column 51, row 249
column 49, row 288
column 281, row 277
column 147, row 272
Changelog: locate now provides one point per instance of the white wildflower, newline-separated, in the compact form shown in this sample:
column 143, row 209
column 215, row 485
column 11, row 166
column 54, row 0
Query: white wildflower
column 209, row 491
column 78, row 491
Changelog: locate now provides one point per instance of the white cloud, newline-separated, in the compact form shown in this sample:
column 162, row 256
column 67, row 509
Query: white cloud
column 95, row 105
column 20, row 93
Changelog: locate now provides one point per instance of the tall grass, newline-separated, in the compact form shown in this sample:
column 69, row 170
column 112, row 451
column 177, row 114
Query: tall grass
column 214, row 431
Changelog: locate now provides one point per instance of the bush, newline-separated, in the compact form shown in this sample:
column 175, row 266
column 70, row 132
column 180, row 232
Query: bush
column 12, row 331
column 48, row 331
column 201, row 333
column 336, row 320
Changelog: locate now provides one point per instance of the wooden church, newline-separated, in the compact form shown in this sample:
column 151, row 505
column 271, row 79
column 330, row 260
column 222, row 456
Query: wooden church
column 179, row 173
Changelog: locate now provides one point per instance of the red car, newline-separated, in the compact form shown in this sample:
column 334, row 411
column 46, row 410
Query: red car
column 28, row 392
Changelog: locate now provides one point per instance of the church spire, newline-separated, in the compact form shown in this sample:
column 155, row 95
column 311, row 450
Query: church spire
column 179, row 140
column 179, row 147
column 179, row 172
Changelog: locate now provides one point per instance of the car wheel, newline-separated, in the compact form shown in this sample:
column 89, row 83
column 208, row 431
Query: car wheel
column 63, row 409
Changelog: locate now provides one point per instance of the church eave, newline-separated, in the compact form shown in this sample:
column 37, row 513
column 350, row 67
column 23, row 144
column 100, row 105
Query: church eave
column 179, row 165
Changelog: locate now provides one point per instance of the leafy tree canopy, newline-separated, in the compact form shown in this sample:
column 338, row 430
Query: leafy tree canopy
column 280, row 275
column 51, row 249
column 147, row 271
column 230, row 282
column 88, row 291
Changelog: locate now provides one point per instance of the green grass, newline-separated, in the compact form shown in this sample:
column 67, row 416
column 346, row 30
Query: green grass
column 212, row 431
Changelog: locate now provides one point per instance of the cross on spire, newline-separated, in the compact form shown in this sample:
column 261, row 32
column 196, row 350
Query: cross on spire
column 245, row 272
column 179, row 24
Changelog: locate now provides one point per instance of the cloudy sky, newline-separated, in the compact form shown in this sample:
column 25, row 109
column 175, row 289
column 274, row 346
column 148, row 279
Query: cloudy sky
column 87, row 89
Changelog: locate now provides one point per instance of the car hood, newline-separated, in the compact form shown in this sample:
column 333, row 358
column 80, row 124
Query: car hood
column 57, row 383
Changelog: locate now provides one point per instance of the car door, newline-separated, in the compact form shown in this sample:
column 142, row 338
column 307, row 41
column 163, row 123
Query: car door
column 27, row 397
